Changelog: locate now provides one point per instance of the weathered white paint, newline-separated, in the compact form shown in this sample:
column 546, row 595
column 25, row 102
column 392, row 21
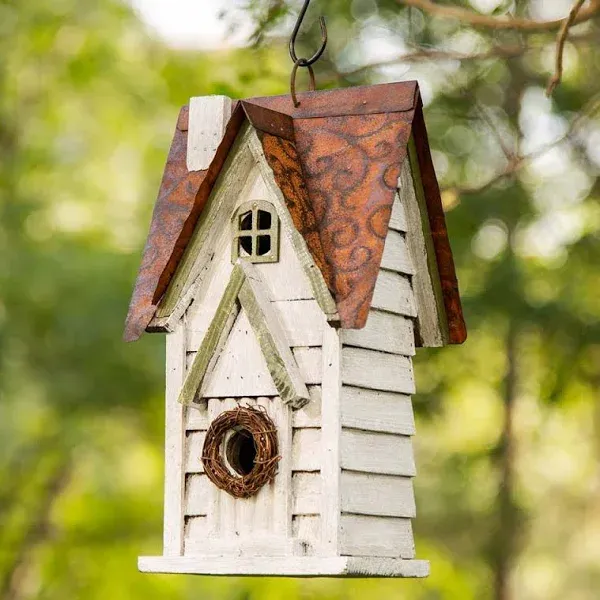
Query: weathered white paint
column 301, row 320
column 377, row 371
column 429, row 317
column 286, row 279
column 396, row 256
column 194, row 441
column 306, row 450
column 241, row 369
column 196, row 528
column 376, row 536
column 268, row 330
column 197, row 417
column 398, row 217
column 383, row 453
column 377, row 411
column 330, row 440
column 309, row 415
column 307, row 532
column 384, row 331
column 310, row 363
column 299, row 566
column 306, row 489
column 379, row 495
column 174, row 438
column 235, row 548
column 393, row 292
column 197, row 494
column 208, row 117
column 207, row 292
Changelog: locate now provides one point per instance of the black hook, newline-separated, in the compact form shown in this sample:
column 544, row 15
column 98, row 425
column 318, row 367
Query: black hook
column 307, row 62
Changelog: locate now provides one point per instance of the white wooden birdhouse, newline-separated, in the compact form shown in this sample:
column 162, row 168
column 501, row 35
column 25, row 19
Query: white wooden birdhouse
column 295, row 259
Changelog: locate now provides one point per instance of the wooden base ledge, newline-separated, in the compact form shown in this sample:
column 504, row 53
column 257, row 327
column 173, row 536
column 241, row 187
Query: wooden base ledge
column 340, row 566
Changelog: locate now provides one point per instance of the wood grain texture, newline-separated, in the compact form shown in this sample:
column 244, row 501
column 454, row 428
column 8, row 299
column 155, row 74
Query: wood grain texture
column 208, row 117
column 331, row 440
column 286, row 279
column 393, row 293
column 298, row 566
column 306, row 450
column 378, row 495
column 302, row 322
column 194, row 442
column 433, row 324
column 376, row 536
column 196, row 418
column 215, row 338
column 384, row 331
column 396, row 256
column 382, row 453
column 306, row 493
column 310, row 363
column 197, row 495
column 307, row 533
column 309, row 415
column 377, row 411
column 174, row 444
column 274, row 345
column 241, row 369
column 398, row 217
column 377, row 371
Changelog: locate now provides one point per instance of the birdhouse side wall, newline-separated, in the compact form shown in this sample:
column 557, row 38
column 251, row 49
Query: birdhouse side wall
column 376, row 492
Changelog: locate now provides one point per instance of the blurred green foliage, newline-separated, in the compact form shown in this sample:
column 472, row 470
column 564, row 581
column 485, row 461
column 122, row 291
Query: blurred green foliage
column 509, row 424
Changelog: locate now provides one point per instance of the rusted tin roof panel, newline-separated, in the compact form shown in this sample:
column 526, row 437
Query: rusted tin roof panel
column 365, row 100
column 175, row 202
column 352, row 164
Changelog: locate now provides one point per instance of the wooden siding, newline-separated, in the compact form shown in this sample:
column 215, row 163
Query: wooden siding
column 376, row 536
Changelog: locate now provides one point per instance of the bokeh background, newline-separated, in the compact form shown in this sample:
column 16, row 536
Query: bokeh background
column 508, row 444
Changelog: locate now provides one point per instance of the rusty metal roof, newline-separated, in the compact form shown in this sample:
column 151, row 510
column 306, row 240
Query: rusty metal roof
column 336, row 158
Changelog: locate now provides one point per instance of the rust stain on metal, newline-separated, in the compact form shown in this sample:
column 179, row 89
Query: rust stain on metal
column 352, row 166
column 175, row 201
column 284, row 161
column 336, row 159
column 365, row 100
column 457, row 328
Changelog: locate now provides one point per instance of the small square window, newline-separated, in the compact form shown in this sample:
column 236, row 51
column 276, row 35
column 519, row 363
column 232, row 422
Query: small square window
column 256, row 233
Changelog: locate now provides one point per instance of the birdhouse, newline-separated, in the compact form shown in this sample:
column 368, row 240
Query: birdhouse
column 296, row 258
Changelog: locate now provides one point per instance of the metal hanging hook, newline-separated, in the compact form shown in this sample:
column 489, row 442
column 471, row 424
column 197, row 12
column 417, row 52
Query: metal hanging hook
column 305, row 62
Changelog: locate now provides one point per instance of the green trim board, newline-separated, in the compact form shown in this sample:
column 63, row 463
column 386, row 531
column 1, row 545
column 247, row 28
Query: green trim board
column 246, row 287
column 269, row 333
column 215, row 337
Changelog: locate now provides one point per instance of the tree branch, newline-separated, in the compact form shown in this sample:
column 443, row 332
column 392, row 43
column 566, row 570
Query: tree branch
column 520, row 161
column 475, row 19
column 563, row 34
column 427, row 54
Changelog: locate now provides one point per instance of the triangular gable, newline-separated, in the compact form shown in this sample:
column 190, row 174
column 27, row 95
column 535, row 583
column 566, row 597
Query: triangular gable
column 246, row 288
column 336, row 159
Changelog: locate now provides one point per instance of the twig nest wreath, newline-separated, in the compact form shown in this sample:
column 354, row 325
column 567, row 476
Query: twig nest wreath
column 240, row 452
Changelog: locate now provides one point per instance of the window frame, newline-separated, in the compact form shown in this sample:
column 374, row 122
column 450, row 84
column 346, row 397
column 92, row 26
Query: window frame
column 254, row 206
